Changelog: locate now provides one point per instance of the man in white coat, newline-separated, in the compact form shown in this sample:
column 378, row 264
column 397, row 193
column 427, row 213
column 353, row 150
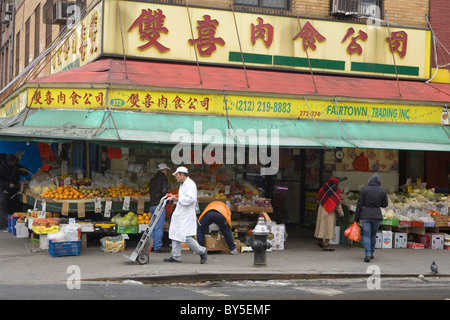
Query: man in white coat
column 183, row 224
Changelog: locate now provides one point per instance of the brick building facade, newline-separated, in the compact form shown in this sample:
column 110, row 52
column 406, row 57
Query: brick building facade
column 439, row 18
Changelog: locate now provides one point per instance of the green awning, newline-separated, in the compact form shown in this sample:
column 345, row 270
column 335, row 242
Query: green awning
column 135, row 128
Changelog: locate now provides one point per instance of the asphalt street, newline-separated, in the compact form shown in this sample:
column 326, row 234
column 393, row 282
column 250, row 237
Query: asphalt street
column 273, row 290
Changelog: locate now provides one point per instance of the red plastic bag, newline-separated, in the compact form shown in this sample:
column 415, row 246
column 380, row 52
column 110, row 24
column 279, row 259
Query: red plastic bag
column 353, row 232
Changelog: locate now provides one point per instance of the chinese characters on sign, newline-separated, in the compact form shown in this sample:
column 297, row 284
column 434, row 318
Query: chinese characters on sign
column 397, row 40
column 263, row 31
column 309, row 35
column 354, row 47
column 206, row 41
column 80, row 43
column 66, row 98
column 141, row 100
column 151, row 25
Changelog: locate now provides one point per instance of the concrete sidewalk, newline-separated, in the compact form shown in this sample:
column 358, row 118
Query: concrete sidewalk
column 301, row 259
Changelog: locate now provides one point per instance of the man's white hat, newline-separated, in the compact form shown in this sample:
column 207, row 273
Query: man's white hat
column 163, row 166
column 181, row 170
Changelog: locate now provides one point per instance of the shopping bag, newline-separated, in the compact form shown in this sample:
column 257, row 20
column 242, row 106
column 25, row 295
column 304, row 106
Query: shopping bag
column 353, row 232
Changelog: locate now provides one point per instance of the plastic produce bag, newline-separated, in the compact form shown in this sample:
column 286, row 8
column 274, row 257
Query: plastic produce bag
column 113, row 244
column 353, row 232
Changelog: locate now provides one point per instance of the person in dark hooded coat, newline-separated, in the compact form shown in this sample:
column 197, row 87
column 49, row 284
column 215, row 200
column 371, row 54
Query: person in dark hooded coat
column 368, row 210
column 10, row 173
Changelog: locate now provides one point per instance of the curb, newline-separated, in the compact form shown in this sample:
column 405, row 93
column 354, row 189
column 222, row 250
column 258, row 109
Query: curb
column 214, row 277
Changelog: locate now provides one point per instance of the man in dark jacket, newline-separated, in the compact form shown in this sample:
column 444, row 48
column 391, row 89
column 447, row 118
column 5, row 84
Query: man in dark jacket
column 10, row 173
column 368, row 210
column 159, row 186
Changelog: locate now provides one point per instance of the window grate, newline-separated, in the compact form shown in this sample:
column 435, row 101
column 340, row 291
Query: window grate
column 269, row 4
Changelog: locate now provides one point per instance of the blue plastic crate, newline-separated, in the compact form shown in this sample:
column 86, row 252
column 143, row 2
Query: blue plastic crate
column 64, row 248
column 10, row 229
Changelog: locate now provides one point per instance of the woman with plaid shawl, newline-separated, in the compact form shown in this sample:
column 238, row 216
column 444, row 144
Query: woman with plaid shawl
column 329, row 199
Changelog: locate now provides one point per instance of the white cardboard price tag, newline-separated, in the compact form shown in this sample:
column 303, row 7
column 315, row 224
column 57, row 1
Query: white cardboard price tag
column 98, row 205
column 108, row 206
column 126, row 203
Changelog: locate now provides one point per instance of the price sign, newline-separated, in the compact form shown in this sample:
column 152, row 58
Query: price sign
column 126, row 203
column 44, row 206
column 98, row 205
column 108, row 206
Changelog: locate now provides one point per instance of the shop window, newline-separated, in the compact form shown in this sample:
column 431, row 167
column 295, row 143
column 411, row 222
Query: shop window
column 270, row 4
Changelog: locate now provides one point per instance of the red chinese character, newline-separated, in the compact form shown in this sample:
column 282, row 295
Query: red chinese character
column 262, row 31
column 48, row 98
column 397, row 40
column 74, row 96
column 86, row 98
column 162, row 103
column 99, row 98
column 151, row 24
column 354, row 47
column 148, row 101
column 134, row 99
column 36, row 98
column 191, row 103
column 205, row 103
column 93, row 32
column 178, row 101
column 83, row 44
column 309, row 35
column 206, row 41
column 61, row 98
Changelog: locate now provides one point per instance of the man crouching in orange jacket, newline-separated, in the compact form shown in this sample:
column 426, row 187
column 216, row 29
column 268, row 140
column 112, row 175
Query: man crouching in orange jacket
column 216, row 212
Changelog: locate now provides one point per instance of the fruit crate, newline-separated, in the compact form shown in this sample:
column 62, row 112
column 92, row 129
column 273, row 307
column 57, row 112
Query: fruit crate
column 64, row 248
column 133, row 229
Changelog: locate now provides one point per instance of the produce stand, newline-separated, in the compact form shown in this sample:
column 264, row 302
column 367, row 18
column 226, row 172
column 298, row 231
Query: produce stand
column 418, row 214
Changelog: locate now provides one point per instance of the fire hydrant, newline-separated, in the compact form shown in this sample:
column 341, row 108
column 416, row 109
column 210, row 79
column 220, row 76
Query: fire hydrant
column 260, row 244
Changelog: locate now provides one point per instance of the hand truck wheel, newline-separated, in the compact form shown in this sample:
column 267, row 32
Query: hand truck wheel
column 143, row 258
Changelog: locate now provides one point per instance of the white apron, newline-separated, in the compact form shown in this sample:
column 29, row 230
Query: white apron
column 184, row 221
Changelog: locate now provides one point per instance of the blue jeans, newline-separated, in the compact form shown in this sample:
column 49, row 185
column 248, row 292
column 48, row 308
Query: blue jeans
column 157, row 233
column 370, row 228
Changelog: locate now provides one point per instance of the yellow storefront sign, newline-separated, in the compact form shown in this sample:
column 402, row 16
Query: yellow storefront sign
column 246, row 106
column 231, row 105
column 158, row 31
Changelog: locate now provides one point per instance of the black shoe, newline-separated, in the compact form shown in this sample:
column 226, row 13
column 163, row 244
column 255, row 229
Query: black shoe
column 171, row 260
column 203, row 257
column 367, row 259
column 372, row 257
column 161, row 250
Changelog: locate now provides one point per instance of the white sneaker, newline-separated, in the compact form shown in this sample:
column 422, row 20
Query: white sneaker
column 233, row 252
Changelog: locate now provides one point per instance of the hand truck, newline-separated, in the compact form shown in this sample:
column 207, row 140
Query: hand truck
column 142, row 251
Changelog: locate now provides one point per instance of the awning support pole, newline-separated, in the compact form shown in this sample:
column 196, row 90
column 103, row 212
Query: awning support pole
column 225, row 101
column 192, row 35
column 123, row 45
column 307, row 55
column 393, row 56
column 240, row 46
column 109, row 115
